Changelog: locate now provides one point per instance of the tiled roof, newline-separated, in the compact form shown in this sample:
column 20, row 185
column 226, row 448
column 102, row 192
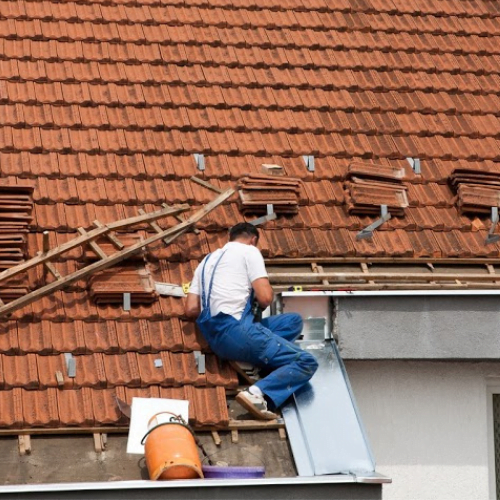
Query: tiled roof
column 103, row 104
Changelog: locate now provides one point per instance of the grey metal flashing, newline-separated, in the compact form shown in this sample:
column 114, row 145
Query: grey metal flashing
column 367, row 232
column 330, row 487
column 323, row 423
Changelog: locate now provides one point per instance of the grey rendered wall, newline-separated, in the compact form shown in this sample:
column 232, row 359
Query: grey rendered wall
column 419, row 327
column 429, row 426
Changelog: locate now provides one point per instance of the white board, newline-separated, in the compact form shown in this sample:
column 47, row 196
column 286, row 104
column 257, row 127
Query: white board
column 142, row 410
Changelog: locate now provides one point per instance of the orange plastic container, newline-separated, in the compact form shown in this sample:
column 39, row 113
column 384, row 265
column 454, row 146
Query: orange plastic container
column 170, row 449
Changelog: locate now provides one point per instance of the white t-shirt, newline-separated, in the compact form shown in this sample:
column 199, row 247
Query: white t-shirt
column 240, row 265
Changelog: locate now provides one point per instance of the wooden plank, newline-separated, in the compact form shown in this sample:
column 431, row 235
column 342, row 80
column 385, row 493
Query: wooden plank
column 237, row 368
column 282, row 433
column 111, row 236
column 381, row 260
column 365, row 270
column 24, row 441
column 59, row 379
column 91, row 235
column 98, row 442
column 206, row 184
column 344, row 276
column 170, row 235
column 318, row 269
column 216, row 438
column 234, row 436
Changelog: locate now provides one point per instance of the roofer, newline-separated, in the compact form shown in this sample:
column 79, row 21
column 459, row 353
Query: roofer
column 228, row 280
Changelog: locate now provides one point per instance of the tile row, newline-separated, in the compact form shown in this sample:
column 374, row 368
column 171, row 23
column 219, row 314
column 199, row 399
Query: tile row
column 160, row 119
column 21, row 408
column 356, row 73
column 106, row 371
column 114, row 62
column 397, row 95
column 132, row 23
column 128, row 194
column 218, row 168
column 142, row 11
column 108, row 337
column 148, row 11
column 56, row 45
column 176, row 142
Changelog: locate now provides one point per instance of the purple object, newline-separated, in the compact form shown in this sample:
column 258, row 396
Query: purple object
column 220, row 472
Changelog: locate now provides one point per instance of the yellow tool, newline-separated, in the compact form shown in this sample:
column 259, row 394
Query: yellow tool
column 296, row 288
column 186, row 286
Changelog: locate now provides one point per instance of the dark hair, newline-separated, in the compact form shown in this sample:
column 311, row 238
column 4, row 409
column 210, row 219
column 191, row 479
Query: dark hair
column 243, row 229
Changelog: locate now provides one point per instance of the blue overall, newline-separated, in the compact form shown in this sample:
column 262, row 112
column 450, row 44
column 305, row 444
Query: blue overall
column 267, row 345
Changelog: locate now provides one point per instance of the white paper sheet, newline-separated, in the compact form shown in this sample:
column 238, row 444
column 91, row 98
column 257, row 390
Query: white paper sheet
column 142, row 410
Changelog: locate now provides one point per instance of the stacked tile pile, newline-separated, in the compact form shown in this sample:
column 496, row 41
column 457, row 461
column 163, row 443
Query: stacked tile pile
column 257, row 191
column 108, row 287
column 16, row 206
column 131, row 276
column 368, row 186
column 478, row 191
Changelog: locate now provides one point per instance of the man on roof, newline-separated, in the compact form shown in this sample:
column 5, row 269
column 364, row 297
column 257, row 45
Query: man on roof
column 221, row 297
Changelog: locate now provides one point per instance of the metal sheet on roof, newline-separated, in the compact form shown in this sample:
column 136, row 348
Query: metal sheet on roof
column 324, row 426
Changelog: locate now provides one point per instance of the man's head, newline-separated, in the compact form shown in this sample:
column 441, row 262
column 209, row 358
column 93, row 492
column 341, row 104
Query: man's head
column 244, row 232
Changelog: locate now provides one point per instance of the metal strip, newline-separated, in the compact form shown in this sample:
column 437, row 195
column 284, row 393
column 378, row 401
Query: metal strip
column 381, row 293
column 326, row 433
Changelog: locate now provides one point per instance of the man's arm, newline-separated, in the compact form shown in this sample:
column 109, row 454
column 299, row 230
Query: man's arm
column 263, row 292
column 192, row 307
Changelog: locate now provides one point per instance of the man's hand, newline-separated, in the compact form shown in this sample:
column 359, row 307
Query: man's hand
column 192, row 307
column 263, row 292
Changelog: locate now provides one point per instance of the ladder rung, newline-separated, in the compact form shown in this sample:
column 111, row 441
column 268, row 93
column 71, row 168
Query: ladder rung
column 52, row 270
column 152, row 224
column 111, row 236
column 95, row 247
column 181, row 219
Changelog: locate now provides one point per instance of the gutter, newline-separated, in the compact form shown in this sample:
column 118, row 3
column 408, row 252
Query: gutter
column 340, row 486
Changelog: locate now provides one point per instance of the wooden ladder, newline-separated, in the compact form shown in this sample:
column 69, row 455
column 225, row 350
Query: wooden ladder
column 88, row 237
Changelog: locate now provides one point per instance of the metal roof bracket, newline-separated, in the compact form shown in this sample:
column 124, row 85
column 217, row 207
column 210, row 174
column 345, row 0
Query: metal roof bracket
column 271, row 215
column 200, row 361
column 415, row 164
column 309, row 161
column 70, row 365
column 127, row 301
column 367, row 232
column 493, row 238
column 200, row 161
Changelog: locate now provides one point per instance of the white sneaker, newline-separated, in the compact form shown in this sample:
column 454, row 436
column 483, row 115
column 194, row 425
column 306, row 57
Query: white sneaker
column 256, row 405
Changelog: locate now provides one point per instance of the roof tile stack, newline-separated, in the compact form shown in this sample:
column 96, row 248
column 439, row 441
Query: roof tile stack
column 257, row 191
column 16, row 206
column 478, row 191
column 369, row 186
column 108, row 287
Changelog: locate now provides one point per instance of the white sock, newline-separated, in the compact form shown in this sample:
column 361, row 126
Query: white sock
column 255, row 390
